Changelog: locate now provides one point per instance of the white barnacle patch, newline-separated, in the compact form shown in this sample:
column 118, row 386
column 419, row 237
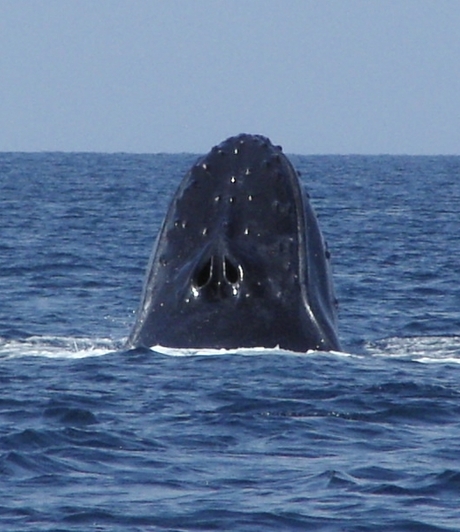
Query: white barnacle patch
column 250, row 197
column 246, row 231
column 236, row 151
column 195, row 291
column 248, row 171
column 233, row 179
column 231, row 199
column 204, row 232
column 217, row 199
column 204, row 166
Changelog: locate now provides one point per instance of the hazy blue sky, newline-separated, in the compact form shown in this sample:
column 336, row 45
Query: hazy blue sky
column 317, row 76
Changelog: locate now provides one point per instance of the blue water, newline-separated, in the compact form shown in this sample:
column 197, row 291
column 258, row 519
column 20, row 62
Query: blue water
column 94, row 438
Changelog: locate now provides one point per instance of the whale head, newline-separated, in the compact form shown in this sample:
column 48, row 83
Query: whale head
column 240, row 260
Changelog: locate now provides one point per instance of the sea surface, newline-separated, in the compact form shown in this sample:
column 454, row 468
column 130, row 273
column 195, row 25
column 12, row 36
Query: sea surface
column 95, row 438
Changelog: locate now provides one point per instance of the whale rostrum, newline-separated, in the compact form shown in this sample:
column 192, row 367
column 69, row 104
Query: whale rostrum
column 240, row 260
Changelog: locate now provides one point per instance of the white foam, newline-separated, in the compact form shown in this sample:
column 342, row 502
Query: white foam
column 423, row 349
column 186, row 352
column 244, row 351
column 426, row 350
column 56, row 347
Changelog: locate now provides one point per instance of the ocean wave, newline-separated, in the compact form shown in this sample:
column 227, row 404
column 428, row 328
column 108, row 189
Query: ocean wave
column 424, row 349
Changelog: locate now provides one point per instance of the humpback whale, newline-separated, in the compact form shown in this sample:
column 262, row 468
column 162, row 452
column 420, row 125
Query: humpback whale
column 240, row 260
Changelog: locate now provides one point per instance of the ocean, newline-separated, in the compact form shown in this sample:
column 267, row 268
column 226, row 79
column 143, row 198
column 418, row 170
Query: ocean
column 93, row 437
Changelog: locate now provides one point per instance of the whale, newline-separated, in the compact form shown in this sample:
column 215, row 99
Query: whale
column 239, row 261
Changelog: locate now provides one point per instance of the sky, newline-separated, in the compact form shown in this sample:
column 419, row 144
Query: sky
column 149, row 76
